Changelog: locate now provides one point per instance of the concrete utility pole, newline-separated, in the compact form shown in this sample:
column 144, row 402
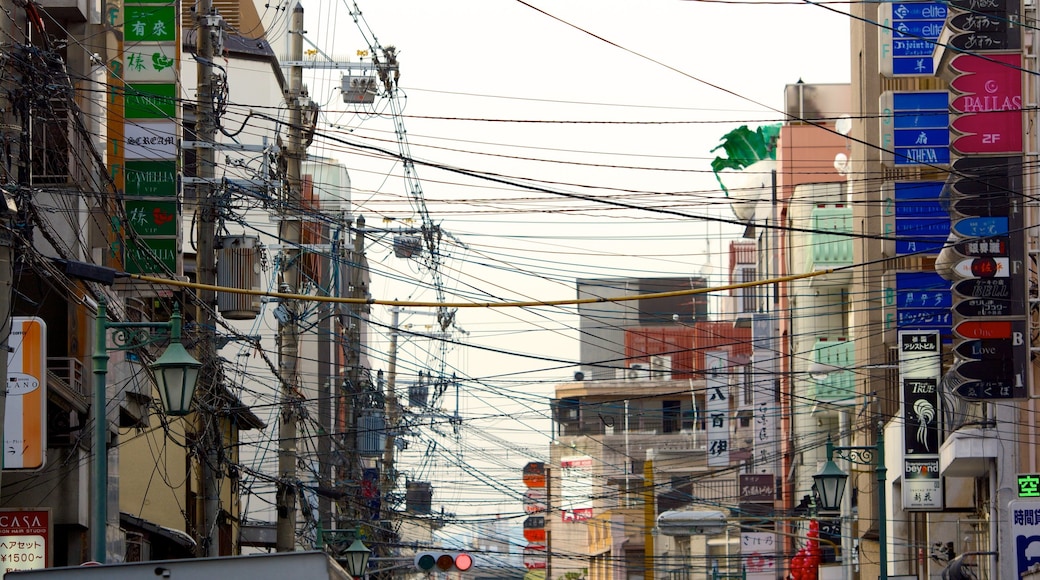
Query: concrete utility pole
column 350, row 509
column 289, row 235
column 208, row 30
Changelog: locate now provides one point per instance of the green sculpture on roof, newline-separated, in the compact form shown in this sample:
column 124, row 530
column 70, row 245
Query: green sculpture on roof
column 745, row 147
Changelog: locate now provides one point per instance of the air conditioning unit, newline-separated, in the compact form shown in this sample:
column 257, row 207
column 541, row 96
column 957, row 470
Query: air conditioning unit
column 638, row 372
column 661, row 363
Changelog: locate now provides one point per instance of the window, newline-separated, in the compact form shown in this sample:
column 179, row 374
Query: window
column 50, row 142
column 748, row 386
column 671, row 412
column 747, row 295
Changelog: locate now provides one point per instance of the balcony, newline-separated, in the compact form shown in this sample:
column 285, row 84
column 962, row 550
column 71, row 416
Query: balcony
column 70, row 10
column 828, row 248
column 65, row 379
column 967, row 452
column 840, row 384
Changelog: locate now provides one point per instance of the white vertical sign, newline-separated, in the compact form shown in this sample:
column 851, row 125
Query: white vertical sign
column 25, row 421
column 716, row 378
column 766, row 409
column 758, row 555
column 920, row 368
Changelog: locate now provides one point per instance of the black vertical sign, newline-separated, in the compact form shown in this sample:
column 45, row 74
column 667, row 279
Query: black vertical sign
column 921, row 416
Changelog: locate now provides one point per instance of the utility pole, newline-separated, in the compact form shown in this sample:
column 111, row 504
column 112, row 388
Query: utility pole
column 289, row 235
column 392, row 411
column 355, row 374
column 208, row 30
column 12, row 174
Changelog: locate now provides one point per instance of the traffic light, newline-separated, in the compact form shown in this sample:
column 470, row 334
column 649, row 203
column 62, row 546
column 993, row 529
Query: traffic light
column 443, row 561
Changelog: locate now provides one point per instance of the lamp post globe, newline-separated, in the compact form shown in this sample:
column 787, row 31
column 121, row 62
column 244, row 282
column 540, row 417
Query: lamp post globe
column 357, row 558
column 830, row 484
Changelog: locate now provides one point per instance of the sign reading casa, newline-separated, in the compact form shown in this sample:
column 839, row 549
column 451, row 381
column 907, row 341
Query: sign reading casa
column 25, row 540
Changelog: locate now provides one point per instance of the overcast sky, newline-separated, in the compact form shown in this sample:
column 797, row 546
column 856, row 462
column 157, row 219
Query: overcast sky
column 594, row 106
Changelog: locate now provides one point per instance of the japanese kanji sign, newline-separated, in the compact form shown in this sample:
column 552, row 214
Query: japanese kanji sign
column 716, row 378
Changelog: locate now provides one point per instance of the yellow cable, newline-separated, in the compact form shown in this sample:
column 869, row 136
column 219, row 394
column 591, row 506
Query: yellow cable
column 525, row 304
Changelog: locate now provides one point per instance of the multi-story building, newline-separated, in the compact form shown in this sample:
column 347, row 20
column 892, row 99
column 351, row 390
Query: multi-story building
column 655, row 433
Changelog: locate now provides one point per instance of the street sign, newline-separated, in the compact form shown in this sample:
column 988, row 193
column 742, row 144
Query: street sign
column 989, row 6
column 983, row 41
column 973, row 185
column 989, row 247
column 985, row 288
column 978, row 22
column 985, row 390
column 915, row 128
column 1028, row 484
column 983, row 206
column 908, row 36
column 987, row 102
column 986, row 369
column 921, row 301
column 1025, row 528
column 534, row 557
column 981, row 349
column 984, row 307
column 983, row 329
column 980, row 227
column 534, row 529
column 982, row 268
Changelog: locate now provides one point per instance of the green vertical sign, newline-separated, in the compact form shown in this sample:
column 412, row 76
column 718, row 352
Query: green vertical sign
column 151, row 178
column 150, row 101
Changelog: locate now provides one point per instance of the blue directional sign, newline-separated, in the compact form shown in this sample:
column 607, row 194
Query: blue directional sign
column 922, row 224
column 922, row 301
column 909, row 31
column 980, row 227
column 915, row 128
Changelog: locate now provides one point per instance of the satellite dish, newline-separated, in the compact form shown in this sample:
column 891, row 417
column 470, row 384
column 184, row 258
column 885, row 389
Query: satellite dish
column 841, row 164
column 843, row 125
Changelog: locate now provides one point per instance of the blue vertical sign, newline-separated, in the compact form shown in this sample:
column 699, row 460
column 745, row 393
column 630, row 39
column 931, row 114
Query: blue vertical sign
column 922, row 301
column 922, row 224
column 908, row 33
column 915, row 128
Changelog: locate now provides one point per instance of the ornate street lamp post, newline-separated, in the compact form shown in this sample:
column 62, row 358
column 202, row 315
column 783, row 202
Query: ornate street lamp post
column 830, row 484
column 176, row 374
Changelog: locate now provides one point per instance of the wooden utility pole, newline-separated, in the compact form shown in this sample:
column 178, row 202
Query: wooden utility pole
column 208, row 28
column 289, row 235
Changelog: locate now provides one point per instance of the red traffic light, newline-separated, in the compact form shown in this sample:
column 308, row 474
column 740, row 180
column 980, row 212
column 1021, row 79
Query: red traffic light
column 463, row 562
column 443, row 561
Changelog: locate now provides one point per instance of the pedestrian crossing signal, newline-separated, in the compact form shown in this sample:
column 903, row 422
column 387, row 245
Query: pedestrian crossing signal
column 443, row 561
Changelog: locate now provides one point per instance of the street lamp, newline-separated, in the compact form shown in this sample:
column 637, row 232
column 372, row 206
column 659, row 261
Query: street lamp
column 357, row 558
column 830, row 483
column 176, row 374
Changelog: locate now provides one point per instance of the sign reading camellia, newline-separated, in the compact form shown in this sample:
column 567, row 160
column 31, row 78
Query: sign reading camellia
column 151, row 137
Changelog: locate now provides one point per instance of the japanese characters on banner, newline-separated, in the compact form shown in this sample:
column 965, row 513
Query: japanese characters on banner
column 25, row 539
column 758, row 553
column 716, row 379
column 25, row 421
column 758, row 549
column 920, row 367
column 151, row 57
column 576, row 483
column 766, row 409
